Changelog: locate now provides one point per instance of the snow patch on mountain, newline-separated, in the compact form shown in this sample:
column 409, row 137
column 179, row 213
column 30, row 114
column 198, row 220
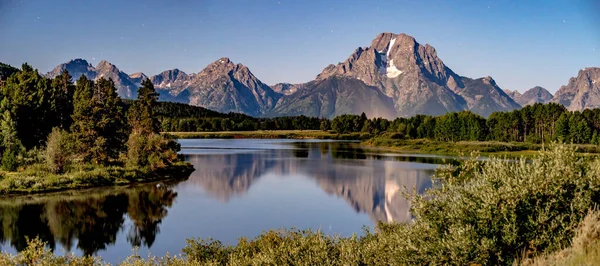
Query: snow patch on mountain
column 392, row 70
column 389, row 48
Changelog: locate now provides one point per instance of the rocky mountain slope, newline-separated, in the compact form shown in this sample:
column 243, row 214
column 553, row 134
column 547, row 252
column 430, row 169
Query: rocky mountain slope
column 534, row 95
column 335, row 96
column 417, row 80
column 77, row 67
column 137, row 78
column 582, row 91
column 222, row 86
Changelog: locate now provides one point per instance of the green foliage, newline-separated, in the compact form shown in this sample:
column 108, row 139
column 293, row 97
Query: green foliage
column 584, row 249
column 36, row 104
column 59, row 150
column 6, row 71
column 9, row 160
column 109, row 122
column 83, row 126
column 141, row 116
column 36, row 253
column 62, row 98
column 11, row 146
column 154, row 151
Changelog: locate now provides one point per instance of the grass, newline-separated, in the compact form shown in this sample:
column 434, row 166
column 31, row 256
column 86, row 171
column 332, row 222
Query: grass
column 584, row 249
column 37, row 179
column 270, row 134
column 510, row 149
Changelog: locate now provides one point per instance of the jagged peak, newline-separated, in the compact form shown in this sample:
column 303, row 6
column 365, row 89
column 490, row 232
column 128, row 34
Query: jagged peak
column 105, row 65
column 382, row 41
column 78, row 61
column 589, row 69
column 138, row 75
column 224, row 64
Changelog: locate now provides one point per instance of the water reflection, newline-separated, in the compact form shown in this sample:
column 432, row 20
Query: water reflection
column 370, row 182
column 265, row 183
column 92, row 220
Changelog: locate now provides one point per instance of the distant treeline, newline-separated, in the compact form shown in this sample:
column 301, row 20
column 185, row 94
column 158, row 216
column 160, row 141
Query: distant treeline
column 179, row 117
column 538, row 123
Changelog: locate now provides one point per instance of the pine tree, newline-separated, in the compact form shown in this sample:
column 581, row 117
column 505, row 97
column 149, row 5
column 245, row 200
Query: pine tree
column 108, row 116
column 83, row 126
column 141, row 116
column 11, row 144
column 27, row 91
column 62, row 98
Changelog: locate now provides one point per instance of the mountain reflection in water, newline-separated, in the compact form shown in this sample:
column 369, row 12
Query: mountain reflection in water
column 231, row 172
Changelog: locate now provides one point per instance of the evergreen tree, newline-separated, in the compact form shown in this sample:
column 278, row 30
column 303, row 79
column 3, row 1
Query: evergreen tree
column 11, row 145
column 141, row 116
column 561, row 128
column 62, row 98
column 108, row 115
column 28, row 94
column 83, row 126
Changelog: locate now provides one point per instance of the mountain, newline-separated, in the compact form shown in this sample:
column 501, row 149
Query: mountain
column 335, row 96
column 77, row 67
column 287, row 88
column 484, row 97
column 417, row 80
column 534, row 95
column 581, row 92
column 222, row 86
column 137, row 78
column 515, row 95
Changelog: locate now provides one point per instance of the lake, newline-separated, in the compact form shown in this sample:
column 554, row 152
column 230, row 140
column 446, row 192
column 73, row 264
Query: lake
column 240, row 188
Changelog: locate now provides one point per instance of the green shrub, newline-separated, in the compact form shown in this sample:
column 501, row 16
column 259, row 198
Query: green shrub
column 59, row 150
column 154, row 151
column 9, row 160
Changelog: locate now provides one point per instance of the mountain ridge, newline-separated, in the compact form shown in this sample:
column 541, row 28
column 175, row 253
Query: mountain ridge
column 394, row 69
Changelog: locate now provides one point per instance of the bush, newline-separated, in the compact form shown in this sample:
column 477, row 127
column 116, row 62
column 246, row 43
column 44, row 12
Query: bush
column 488, row 212
column 154, row 151
column 59, row 150
column 9, row 160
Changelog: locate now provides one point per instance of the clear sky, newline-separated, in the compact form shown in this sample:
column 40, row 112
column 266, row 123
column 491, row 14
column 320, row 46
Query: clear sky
column 520, row 44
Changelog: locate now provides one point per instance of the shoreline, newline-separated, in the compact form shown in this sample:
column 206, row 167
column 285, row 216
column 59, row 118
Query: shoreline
column 21, row 183
column 420, row 146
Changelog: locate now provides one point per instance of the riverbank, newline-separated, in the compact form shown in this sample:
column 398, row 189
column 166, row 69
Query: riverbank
column 270, row 134
column 456, row 148
column 422, row 146
column 36, row 179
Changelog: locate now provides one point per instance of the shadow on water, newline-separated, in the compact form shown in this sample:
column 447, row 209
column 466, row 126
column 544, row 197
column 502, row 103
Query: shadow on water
column 92, row 218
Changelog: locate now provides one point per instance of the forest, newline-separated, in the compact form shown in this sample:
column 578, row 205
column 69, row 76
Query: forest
column 59, row 134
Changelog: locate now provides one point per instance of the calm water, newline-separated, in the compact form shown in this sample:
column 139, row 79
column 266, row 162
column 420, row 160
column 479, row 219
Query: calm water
column 239, row 188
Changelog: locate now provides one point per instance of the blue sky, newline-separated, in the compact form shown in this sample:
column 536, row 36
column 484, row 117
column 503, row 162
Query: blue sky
column 520, row 43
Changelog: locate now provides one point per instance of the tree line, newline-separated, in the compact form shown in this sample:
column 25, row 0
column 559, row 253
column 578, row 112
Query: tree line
column 180, row 117
column 538, row 123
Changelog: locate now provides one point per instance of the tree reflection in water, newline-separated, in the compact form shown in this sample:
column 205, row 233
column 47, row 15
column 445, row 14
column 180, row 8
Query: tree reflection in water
column 92, row 218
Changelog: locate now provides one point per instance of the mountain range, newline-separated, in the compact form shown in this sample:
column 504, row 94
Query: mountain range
column 534, row 95
column 394, row 76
